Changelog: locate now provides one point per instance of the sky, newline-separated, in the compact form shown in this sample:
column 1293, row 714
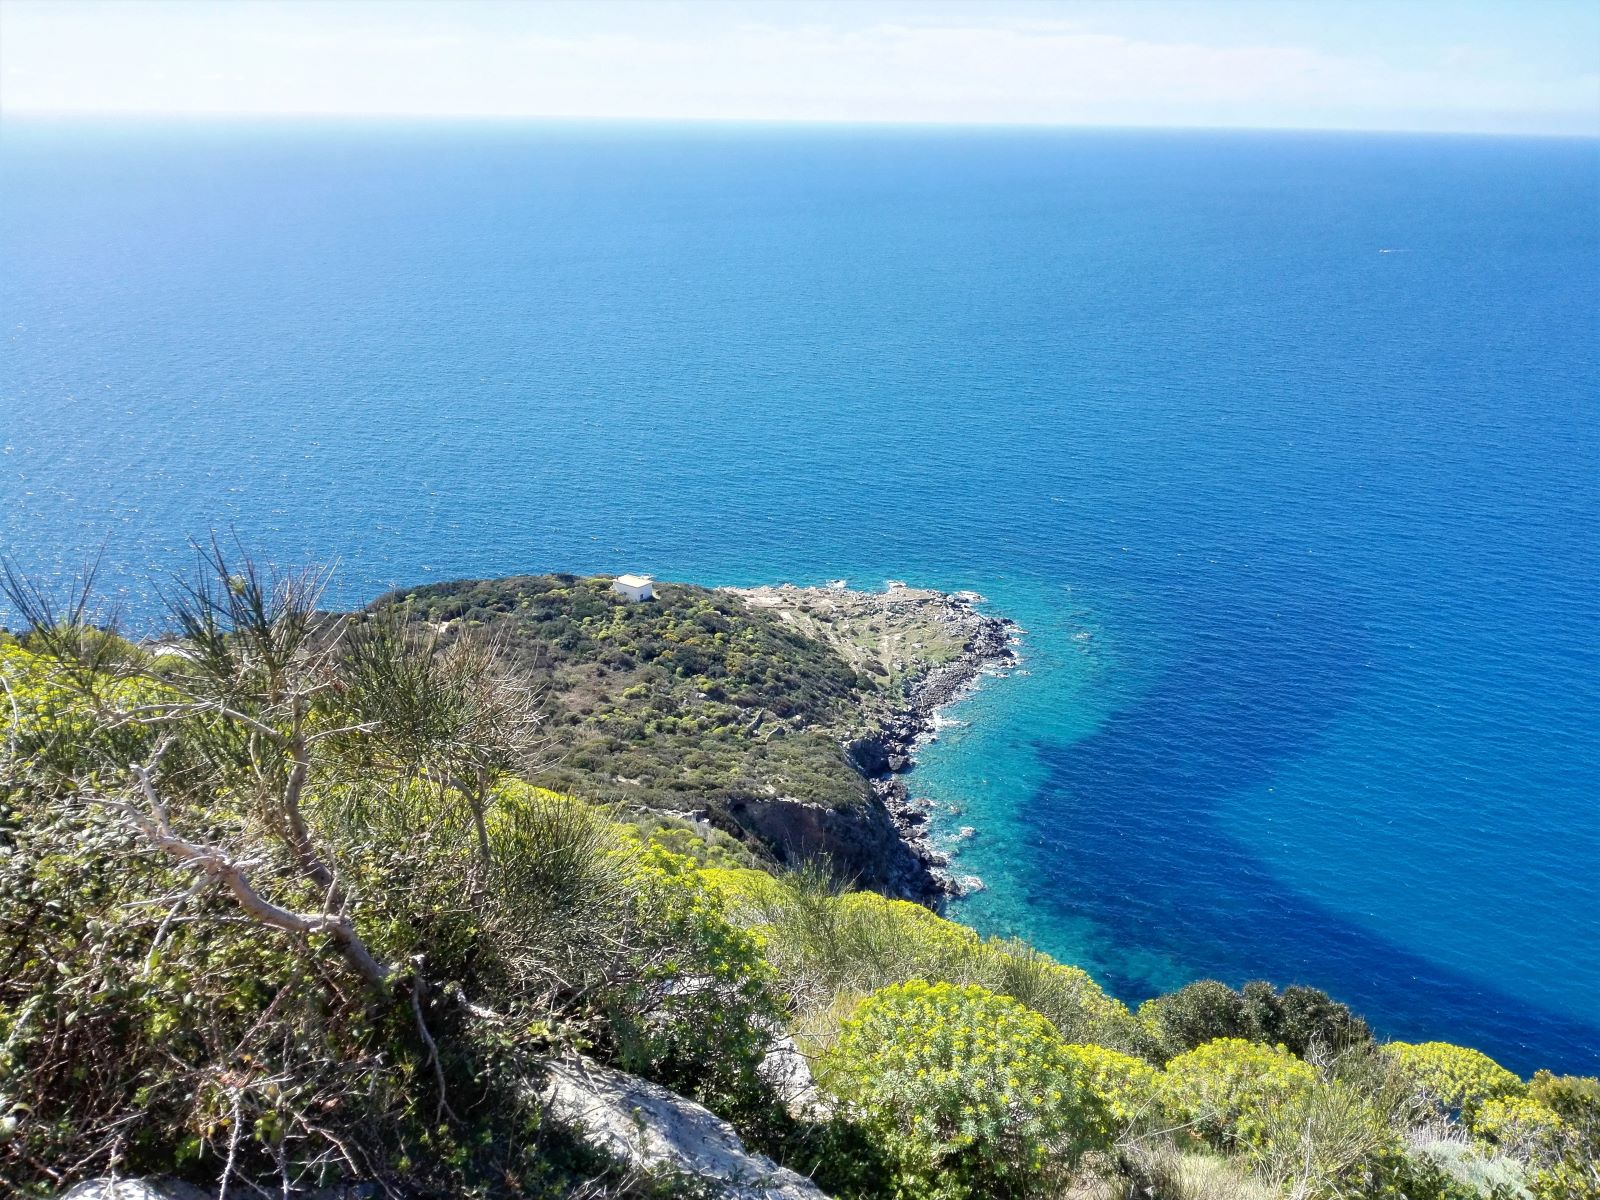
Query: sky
column 1468, row 66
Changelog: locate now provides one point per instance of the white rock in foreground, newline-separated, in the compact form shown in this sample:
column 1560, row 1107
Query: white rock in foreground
column 653, row 1129
column 135, row 1189
column 788, row 1073
column 176, row 1189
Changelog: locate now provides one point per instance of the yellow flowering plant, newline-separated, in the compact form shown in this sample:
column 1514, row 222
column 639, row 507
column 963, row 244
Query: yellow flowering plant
column 1227, row 1087
column 972, row 1094
column 1128, row 1087
column 1455, row 1079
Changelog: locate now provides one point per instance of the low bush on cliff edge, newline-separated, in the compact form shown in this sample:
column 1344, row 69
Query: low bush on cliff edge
column 831, row 946
column 1305, row 1020
column 970, row 1094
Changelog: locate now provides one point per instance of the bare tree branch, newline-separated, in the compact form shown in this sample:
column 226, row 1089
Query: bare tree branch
column 433, row 1050
column 219, row 865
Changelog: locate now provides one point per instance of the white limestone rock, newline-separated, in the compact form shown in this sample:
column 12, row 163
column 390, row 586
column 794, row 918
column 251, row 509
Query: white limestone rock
column 658, row 1131
column 135, row 1189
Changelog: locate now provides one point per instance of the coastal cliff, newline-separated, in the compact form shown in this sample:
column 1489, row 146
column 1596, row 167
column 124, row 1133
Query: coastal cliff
column 926, row 647
column 775, row 722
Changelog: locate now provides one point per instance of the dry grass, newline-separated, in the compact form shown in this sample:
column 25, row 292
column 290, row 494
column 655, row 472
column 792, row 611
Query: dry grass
column 1163, row 1172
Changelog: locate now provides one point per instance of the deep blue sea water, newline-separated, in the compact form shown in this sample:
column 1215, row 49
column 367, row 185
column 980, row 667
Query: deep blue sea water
column 1284, row 448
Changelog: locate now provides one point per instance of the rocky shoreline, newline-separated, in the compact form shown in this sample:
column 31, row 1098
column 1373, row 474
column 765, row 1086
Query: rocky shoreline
column 931, row 647
column 991, row 647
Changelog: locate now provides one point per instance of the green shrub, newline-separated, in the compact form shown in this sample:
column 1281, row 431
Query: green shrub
column 1325, row 1141
column 560, row 888
column 971, row 1093
column 1555, row 1130
column 1573, row 1098
column 1127, row 1087
column 1228, row 1088
column 1455, row 1079
column 1077, row 1006
column 1304, row 1020
column 700, row 1014
column 1195, row 1014
column 828, row 945
column 51, row 733
column 1522, row 1127
column 1301, row 1019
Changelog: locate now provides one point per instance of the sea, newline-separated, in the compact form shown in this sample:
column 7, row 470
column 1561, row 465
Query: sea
column 1283, row 449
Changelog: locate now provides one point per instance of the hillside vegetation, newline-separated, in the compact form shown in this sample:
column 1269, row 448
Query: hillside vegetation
column 287, row 901
column 683, row 702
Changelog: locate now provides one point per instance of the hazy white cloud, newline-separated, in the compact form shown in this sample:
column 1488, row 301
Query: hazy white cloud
column 373, row 58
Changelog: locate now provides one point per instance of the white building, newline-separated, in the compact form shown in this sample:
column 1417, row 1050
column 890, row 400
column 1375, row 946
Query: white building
column 634, row 587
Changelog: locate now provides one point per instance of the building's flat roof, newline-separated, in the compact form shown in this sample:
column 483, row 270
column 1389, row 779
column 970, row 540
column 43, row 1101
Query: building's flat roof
column 635, row 580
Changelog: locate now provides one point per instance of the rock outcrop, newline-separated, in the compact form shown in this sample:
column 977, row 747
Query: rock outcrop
column 863, row 843
column 926, row 647
column 135, row 1189
column 660, row 1133
column 177, row 1189
column 641, row 1125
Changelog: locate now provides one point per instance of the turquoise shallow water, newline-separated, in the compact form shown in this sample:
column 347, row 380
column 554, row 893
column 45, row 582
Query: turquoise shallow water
column 1304, row 532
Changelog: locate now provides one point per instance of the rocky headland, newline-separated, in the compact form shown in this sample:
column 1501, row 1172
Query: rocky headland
column 928, row 647
column 770, row 723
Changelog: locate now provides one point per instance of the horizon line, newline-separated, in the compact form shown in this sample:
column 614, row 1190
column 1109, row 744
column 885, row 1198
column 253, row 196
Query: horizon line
column 333, row 115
